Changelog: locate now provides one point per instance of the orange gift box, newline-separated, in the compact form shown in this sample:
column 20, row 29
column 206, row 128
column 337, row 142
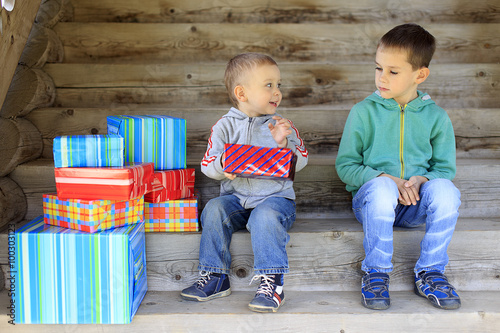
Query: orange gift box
column 104, row 183
column 173, row 215
column 171, row 185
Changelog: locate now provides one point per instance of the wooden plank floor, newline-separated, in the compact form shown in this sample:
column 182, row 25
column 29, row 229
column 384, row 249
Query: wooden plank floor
column 302, row 312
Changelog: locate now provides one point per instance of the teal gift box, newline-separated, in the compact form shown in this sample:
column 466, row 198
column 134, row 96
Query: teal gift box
column 88, row 151
column 66, row 276
column 157, row 139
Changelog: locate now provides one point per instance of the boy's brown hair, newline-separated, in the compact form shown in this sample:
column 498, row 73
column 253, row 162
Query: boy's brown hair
column 240, row 64
column 415, row 40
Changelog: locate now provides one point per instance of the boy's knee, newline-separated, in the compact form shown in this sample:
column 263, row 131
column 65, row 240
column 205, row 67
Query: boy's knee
column 383, row 188
column 443, row 191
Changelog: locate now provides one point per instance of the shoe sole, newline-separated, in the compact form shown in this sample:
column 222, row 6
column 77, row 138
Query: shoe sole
column 207, row 298
column 379, row 305
column 265, row 309
column 435, row 302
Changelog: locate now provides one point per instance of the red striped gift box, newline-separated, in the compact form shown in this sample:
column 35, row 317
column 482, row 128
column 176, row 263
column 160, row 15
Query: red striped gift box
column 259, row 162
column 106, row 183
column 171, row 185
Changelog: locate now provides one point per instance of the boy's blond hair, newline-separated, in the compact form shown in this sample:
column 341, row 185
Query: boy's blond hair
column 415, row 40
column 238, row 66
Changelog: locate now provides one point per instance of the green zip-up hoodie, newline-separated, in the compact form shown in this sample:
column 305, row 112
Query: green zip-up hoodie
column 381, row 136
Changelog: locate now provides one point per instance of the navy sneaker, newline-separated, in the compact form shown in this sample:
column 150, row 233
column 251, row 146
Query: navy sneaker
column 375, row 290
column 434, row 286
column 270, row 296
column 207, row 287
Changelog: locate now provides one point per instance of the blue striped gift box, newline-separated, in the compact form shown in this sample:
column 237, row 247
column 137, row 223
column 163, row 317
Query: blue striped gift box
column 157, row 139
column 66, row 276
column 88, row 151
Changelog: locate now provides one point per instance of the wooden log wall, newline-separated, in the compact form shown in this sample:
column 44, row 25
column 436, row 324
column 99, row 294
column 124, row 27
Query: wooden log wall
column 28, row 43
column 159, row 57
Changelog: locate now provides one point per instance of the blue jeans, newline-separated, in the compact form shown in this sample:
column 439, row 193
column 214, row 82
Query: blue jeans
column 376, row 207
column 268, row 224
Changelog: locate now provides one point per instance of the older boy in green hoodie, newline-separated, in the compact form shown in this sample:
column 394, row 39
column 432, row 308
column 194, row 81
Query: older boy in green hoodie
column 397, row 157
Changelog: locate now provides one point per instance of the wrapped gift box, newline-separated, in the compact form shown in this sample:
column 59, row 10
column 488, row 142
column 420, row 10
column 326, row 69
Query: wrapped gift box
column 259, row 162
column 108, row 183
column 171, row 185
column 172, row 215
column 157, row 139
column 88, row 151
column 66, row 276
column 92, row 215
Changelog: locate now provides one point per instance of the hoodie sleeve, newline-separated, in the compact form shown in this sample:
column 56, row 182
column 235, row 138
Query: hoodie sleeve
column 211, row 164
column 443, row 161
column 349, row 162
column 296, row 144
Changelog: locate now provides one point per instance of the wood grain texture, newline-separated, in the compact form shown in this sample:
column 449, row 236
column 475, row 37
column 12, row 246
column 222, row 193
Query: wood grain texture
column 13, row 204
column 289, row 11
column 354, row 43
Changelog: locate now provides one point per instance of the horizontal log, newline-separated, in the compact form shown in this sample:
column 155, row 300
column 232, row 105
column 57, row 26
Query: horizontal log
column 30, row 88
column 197, row 42
column 53, row 11
column 320, row 193
column 43, row 46
column 290, row 11
column 13, row 204
column 477, row 136
column 98, row 85
column 16, row 26
column 20, row 142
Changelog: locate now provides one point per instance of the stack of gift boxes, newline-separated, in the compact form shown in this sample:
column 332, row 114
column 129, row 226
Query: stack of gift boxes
column 84, row 260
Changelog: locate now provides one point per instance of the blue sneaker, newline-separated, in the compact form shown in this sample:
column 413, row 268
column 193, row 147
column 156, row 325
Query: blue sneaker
column 434, row 286
column 375, row 290
column 270, row 296
column 207, row 287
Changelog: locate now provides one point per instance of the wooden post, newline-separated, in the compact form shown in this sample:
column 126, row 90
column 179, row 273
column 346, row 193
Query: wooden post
column 20, row 142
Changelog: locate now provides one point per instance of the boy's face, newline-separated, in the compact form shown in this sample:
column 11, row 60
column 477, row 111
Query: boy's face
column 260, row 91
column 394, row 75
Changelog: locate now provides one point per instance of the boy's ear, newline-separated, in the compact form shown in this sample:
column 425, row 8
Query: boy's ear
column 423, row 74
column 239, row 92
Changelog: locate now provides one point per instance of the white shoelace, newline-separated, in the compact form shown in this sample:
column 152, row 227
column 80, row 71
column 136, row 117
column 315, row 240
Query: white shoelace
column 265, row 286
column 203, row 279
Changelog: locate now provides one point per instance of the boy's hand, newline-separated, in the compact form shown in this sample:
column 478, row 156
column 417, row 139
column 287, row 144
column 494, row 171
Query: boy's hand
column 230, row 176
column 408, row 189
column 280, row 131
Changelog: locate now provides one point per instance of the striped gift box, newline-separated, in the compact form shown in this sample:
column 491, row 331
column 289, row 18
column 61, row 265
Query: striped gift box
column 66, row 276
column 157, row 139
column 104, row 183
column 91, row 215
column 88, row 151
column 259, row 162
column 173, row 215
column 171, row 185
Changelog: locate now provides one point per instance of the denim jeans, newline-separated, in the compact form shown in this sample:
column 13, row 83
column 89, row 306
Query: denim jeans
column 376, row 206
column 268, row 224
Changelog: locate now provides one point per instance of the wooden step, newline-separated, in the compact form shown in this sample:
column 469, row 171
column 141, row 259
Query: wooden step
column 302, row 312
column 179, row 84
column 198, row 42
column 265, row 11
column 321, row 127
column 326, row 255
column 319, row 191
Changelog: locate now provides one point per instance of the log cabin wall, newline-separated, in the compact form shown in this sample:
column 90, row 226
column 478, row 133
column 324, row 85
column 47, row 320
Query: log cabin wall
column 168, row 57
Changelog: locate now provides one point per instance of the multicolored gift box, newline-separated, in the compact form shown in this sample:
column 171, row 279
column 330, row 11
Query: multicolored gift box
column 66, row 276
column 88, row 151
column 91, row 215
column 259, row 162
column 108, row 183
column 157, row 139
column 171, row 185
column 173, row 215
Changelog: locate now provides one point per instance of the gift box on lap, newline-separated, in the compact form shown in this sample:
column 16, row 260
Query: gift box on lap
column 109, row 183
column 88, row 151
column 157, row 139
column 171, row 185
column 91, row 215
column 259, row 162
column 65, row 276
column 173, row 215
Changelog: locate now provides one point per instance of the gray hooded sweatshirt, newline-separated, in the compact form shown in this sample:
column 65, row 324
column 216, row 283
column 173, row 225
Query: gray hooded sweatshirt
column 237, row 128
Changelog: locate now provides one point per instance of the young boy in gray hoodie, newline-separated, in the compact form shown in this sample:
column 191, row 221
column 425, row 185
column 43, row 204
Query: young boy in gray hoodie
column 265, row 207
